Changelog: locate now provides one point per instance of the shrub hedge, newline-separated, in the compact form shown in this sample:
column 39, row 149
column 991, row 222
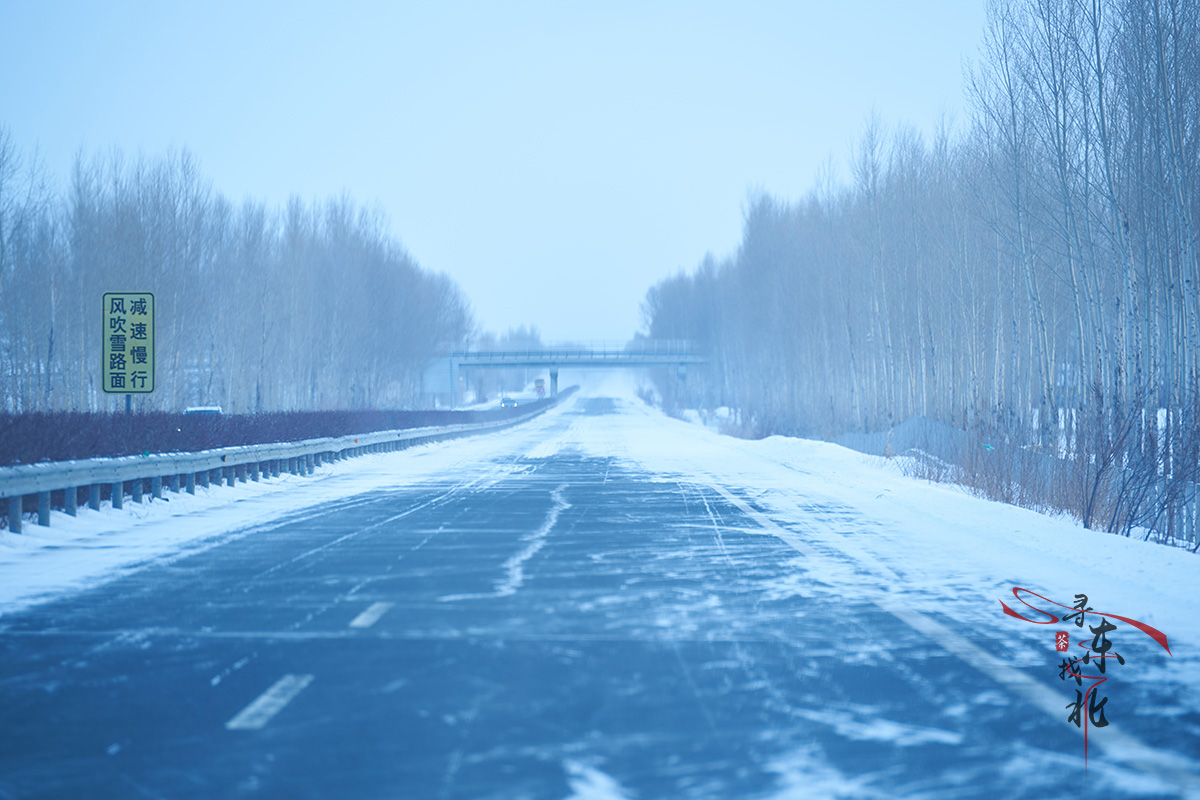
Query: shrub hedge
column 62, row 436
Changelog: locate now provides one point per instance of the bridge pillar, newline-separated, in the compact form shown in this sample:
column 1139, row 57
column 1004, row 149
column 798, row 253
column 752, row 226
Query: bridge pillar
column 554, row 381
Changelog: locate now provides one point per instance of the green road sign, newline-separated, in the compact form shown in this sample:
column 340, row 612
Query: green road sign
column 128, row 365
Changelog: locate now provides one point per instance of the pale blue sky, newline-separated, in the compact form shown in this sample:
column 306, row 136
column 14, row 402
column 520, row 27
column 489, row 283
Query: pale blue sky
column 556, row 159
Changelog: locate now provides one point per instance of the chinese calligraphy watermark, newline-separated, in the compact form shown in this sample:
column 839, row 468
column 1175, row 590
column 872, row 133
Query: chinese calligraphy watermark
column 1097, row 653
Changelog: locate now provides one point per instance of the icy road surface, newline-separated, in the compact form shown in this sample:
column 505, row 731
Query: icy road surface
column 603, row 603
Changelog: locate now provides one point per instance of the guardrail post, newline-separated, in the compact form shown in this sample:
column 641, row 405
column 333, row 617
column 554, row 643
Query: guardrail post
column 173, row 482
column 44, row 509
column 14, row 513
column 71, row 500
column 230, row 476
column 118, row 495
column 137, row 487
column 254, row 471
column 204, row 476
column 308, row 464
column 190, row 482
column 156, row 487
column 94, row 497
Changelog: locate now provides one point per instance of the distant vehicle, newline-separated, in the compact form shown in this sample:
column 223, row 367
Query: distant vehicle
column 207, row 411
column 507, row 402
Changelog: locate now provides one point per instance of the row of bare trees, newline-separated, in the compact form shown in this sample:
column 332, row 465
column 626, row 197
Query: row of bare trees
column 312, row 306
column 1032, row 276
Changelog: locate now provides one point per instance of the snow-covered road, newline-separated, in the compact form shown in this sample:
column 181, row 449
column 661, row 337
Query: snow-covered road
column 603, row 603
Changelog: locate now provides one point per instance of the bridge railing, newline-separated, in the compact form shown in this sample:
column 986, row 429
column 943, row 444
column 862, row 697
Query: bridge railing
column 593, row 349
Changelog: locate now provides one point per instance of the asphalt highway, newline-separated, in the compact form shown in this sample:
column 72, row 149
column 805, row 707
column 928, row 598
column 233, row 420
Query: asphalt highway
column 561, row 627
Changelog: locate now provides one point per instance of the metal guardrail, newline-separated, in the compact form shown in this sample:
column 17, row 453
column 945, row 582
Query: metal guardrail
column 182, row 471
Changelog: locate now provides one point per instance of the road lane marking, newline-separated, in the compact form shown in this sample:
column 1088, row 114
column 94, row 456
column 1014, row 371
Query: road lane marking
column 1117, row 744
column 225, row 673
column 269, row 703
column 369, row 617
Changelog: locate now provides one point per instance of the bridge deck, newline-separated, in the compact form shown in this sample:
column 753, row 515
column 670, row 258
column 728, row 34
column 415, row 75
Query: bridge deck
column 575, row 358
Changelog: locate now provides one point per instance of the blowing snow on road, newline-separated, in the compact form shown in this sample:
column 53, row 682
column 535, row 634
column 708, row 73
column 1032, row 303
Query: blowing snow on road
column 602, row 603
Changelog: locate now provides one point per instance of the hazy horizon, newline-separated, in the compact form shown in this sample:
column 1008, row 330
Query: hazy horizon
column 555, row 162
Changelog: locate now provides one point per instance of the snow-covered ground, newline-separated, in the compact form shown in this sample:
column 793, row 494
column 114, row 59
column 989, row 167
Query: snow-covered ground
column 75, row 553
column 930, row 542
column 926, row 552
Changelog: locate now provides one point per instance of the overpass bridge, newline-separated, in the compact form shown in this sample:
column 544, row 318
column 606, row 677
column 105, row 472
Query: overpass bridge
column 601, row 355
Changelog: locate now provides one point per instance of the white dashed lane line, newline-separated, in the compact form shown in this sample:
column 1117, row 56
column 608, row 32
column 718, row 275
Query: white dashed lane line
column 269, row 703
column 369, row 617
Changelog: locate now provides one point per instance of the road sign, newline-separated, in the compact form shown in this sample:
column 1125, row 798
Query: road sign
column 128, row 360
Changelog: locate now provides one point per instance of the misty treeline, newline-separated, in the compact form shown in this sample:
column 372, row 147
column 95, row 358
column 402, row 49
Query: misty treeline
column 1030, row 277
column 310, row 306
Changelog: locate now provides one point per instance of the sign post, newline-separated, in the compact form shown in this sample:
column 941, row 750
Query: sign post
column 127, row 365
